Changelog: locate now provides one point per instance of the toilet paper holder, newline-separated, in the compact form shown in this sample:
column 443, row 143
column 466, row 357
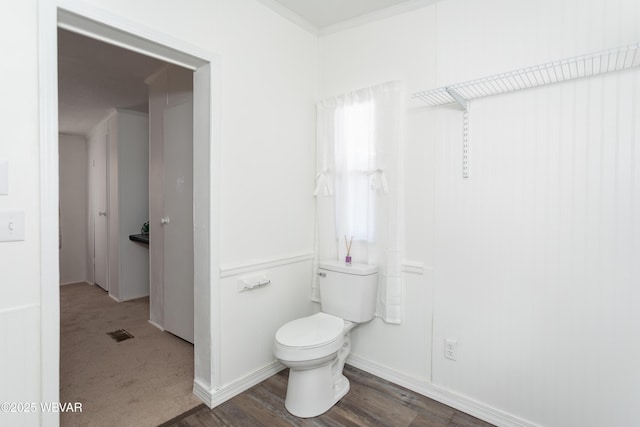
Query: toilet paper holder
column 253, row 282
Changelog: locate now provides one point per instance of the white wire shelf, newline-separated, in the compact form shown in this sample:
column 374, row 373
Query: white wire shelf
column 606, row 61
column 593, row 64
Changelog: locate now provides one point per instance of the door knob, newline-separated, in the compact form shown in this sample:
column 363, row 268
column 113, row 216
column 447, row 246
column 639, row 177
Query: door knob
column 164, row 220
column 102, row 213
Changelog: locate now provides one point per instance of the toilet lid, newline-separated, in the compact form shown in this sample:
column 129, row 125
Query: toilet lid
column 312, row 331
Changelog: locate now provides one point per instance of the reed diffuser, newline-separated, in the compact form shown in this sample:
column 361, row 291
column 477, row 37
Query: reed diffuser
column 347, row 259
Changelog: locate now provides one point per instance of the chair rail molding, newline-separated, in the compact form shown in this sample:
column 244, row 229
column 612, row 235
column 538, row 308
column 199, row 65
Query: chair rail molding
column 228, row 270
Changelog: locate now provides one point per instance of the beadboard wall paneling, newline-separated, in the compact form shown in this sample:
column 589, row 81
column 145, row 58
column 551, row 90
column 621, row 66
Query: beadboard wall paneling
column 538, row 255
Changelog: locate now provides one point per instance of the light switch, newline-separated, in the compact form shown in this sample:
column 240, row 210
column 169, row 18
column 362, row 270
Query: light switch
column 11, row 226
column 4, row 177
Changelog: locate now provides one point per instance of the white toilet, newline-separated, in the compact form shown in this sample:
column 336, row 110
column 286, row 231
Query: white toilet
column 314, row 348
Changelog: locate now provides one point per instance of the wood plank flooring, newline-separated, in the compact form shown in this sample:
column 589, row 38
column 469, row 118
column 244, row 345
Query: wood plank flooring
column 370, row 402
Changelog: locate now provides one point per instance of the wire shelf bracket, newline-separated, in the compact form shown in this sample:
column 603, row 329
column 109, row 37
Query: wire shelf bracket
column 464, row 104
column 583, row 66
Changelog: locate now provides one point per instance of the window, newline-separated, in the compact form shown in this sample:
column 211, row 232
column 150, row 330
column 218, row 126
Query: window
column 358, row 186
column 355, row 156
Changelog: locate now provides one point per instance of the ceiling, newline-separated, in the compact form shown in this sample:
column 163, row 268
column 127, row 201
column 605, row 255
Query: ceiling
column 96, row 77
column 319, row 15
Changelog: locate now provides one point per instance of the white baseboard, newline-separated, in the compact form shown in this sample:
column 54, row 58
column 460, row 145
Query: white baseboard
column 442, row 395
column 213, row 398
column 114, row 298
column 76, row 283
column 156, row 325
column 202, row 392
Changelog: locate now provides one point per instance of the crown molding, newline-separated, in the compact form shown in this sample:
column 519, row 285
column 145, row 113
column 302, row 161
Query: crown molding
column 387, row 12
column 377, row 15
column 287, row 13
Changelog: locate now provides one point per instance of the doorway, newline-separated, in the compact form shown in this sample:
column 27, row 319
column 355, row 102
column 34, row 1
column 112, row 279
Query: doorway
column 78, row 17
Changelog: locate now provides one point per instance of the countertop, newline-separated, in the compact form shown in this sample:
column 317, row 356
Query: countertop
column 141, row 238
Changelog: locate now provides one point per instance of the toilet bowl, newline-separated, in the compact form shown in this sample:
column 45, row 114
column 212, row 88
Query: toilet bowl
column 315, row 348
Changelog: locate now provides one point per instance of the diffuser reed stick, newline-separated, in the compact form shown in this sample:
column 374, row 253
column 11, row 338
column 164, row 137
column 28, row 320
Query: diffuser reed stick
column 347, row 259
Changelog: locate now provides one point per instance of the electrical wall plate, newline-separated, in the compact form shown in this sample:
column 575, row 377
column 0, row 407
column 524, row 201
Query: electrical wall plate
column 451, row 349
column 11, row 226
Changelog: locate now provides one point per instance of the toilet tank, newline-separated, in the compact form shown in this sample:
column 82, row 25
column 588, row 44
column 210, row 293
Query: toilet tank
column 349, row 292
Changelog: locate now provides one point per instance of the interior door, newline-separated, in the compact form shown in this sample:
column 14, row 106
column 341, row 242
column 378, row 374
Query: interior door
column 178, row 220
column 100, row 233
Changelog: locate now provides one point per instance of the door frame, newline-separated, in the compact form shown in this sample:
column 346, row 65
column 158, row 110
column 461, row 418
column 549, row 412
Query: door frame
column 106, row 141
column 79, row 17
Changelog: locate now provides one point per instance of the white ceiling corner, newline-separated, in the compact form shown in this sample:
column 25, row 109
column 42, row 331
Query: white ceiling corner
column 327, row 16
column 291, row 15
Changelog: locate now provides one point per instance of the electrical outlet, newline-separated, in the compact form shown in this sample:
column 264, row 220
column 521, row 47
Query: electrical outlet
column 451, row 349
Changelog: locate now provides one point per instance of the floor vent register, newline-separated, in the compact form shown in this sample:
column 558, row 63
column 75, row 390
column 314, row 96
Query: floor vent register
column 120, row 335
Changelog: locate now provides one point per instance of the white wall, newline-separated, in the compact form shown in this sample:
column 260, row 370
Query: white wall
column 268, row 156
column 132, row 171
column 96, row 149
column 73, row 208
column 269, row 87
column 534, row 257
column 113, row 206
column 128, row 199
column 19, row 261
column 537, row 253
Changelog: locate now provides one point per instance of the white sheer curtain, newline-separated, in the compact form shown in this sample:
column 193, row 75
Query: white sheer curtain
column 358, row 186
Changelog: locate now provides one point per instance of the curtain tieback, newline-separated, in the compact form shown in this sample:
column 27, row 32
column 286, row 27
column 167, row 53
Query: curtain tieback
column 378, row 181
column 323, row 183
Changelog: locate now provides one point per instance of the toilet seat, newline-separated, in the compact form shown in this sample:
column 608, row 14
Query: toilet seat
column 309, row 338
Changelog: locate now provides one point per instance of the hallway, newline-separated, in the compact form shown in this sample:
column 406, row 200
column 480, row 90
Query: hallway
column 142, row 381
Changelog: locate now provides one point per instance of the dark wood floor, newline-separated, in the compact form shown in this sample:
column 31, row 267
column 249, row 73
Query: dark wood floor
column 370, row 402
